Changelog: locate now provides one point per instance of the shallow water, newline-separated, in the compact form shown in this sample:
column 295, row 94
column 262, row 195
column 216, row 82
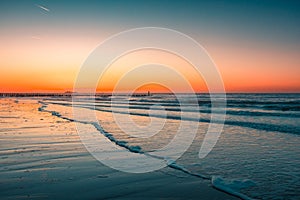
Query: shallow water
column 42, row 156
column 259, row 143
column 257, row 154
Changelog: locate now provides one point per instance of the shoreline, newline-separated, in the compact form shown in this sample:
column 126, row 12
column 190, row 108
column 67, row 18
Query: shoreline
column 42, row 156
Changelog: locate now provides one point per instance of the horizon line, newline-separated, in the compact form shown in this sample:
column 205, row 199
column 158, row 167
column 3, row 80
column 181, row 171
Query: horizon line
column 110, row 93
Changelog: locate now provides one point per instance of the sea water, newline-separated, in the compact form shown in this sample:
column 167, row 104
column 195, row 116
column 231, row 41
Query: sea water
column 257, row 154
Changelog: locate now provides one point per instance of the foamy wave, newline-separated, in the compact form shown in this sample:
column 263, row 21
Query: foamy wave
column 232, row 186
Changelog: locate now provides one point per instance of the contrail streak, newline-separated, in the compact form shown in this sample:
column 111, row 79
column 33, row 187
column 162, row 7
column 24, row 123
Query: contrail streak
column 42, row 7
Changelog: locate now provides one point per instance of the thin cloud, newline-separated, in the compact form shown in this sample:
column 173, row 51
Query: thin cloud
column 35, row 37
column 42, row 7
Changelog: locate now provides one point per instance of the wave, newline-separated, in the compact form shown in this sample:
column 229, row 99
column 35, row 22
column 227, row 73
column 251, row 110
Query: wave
column 283, row 102
column 206, row 111
column 230, row 112
column 246, row 124
column 232, row 186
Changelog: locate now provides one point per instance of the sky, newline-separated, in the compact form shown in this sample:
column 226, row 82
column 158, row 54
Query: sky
column 254, row 44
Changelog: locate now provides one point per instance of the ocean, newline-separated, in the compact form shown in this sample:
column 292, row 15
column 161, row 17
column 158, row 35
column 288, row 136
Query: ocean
column 256, row 156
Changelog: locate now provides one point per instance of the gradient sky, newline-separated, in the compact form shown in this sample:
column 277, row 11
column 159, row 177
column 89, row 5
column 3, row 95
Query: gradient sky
column 255, row 44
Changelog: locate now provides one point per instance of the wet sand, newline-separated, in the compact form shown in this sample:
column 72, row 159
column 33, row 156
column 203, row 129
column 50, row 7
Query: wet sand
column 41, row 156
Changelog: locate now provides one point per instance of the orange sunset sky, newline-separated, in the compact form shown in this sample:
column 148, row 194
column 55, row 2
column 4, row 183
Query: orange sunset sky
column 43, row 50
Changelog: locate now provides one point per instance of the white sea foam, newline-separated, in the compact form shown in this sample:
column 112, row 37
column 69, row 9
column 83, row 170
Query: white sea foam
column 172, row 163
column 232, row 186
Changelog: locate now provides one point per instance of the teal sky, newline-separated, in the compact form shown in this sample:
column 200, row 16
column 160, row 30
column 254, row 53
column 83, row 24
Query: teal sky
column 255, row 28
column 273, row 21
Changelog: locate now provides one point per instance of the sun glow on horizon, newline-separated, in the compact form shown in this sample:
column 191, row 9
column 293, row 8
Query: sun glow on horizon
column 141, row 67
column 44, row 45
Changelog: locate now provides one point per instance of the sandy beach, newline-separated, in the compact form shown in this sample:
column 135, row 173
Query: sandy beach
column 42, row 156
